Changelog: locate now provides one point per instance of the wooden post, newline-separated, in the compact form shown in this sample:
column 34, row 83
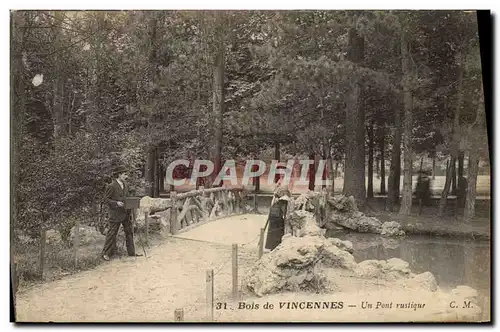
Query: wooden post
column 235, row 271
column 189, row 215
column 317, row 210
column 179, row 315
column 225, row 211
column 43, row 234
column 203, row 201
column 237, row 201
column 261, row 242
column 223, row 198
column 255, row 210
column 174, row 229
column 210, row 295
column 76, row 241
column 146, row 228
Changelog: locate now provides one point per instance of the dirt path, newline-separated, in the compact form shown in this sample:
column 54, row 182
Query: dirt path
column 147, row 289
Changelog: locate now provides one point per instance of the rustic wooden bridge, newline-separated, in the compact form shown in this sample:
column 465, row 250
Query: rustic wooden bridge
column 193, row 208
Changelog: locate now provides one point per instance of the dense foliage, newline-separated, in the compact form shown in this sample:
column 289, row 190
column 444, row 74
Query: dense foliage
column 93, row 90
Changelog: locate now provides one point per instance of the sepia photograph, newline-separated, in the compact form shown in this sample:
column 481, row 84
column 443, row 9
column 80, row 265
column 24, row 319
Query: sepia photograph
column 243, row 166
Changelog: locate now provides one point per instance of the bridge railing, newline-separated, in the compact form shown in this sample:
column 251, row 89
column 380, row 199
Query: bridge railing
column 192, row 208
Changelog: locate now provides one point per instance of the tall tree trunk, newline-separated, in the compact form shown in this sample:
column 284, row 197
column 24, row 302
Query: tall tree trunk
column 312, row 172
column 395, row 169
column 70, row 114
column 256, row 180
column 447, row 185
column 96, row 80
column 455, row 135
column 382, row 160
column 371, row 143
column 257, row 183
column 470, row 203
column 277, row 151
column 218, row 97
column 17, row 113
column 277, row 158
column 331, row 172
column 324, row 174
column 434, row 167
column 161, row 179
column 454, row 178
column 152, row 71
column 421, row 164
column 473, row 164
column 58, row 97
column 326, row 150
column 150, row 172
column 460, row 165
column 354, row 178
column 156, row 174
column 406, row 201
column 325, row 155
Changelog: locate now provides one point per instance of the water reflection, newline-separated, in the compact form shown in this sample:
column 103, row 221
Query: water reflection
column 452, row 261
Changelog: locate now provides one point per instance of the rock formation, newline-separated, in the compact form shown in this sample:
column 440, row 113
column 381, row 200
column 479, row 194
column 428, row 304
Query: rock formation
column 297, row 264
column 303, row 223
column 342, row 211
column 308, row 261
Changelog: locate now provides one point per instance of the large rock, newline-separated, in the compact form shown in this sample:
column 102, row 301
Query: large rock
column 425, row 281
column 392, row 228
column 343, row 204
column 360, row 223
column 344, row 245
column 88, row 235
column 371, row 269
column 305, row 201
column 303, row 223
column 318, row 264
column 307, row 261
column 391, row 269
column 297, row 265
column 343, row 211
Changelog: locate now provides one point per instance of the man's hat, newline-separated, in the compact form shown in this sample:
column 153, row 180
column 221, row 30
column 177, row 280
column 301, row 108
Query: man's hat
column 119, row 170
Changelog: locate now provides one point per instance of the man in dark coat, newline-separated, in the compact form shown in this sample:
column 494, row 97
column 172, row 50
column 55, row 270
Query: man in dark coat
column 116, row 192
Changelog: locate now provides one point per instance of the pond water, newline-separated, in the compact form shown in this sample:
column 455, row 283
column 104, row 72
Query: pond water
column 452, row 261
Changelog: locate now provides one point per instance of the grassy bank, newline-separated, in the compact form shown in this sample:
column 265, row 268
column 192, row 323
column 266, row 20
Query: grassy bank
column 60, row 259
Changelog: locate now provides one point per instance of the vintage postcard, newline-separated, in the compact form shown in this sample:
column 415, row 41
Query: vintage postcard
column 249, row 166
